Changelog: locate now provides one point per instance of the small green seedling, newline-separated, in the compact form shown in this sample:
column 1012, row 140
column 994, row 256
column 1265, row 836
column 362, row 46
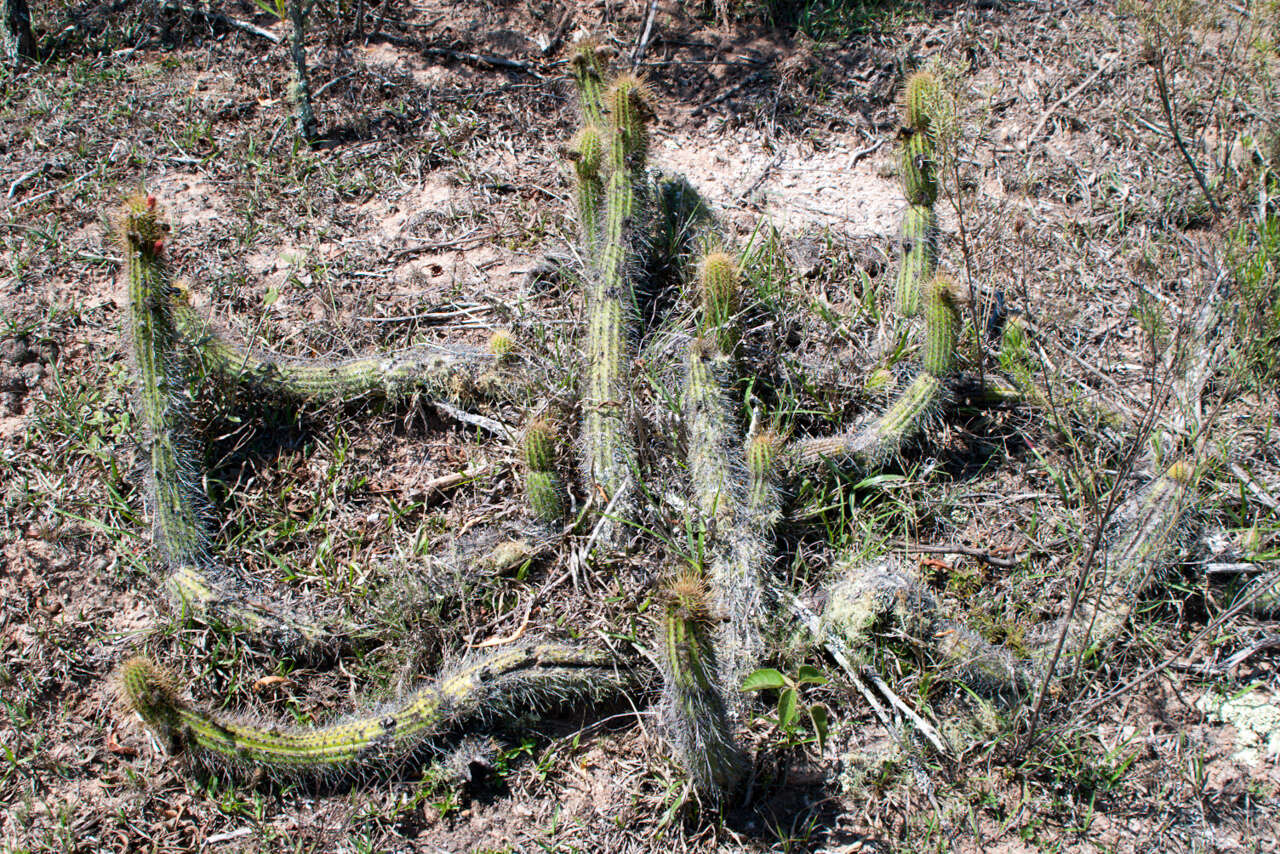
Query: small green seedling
column 790, row 712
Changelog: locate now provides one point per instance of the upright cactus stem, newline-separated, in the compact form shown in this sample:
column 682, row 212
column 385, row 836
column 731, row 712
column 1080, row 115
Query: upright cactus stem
column 720, row 284
column 610, row 458
column 587, row 154
column 918, row 257
column 693, row 711
column 542, row 485
column 587, row 64
column 198, row 586
column 942, row 326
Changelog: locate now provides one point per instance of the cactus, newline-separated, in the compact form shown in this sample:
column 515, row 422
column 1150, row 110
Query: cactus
column 883, row 437
column 610, row 459
column 693, row 708
column 762, row 451
column 942, row 326
column 587, row 154
column 735, row 544
column 720, row 286
column 587, row 63
column 541, row 484
column 435, row 372
column 1148, row 530
column 197, row 585
column 512, row 678
column 917, row 257
column 920, row 98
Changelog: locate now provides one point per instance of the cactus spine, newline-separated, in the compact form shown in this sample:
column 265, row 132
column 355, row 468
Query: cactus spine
column 512, row 678
column 610, row 459
column 541, row 484
column 693, row 710
column 919, row 247
column 195, row 582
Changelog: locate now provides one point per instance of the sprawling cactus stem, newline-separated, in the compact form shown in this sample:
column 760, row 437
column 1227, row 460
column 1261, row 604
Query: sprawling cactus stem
column 720, row 284
column 882, row 597
column 942, row 326
column 693, row 708
column 610, row 456
column 1149, row 530
column 198, row 586
column 503, row 681
column 541, row 484
column 763, row 450
column 436, row 373
column 735, row 535
column 917, row 258
column 588, row 73
column 919, row 168
column 881, row 438
column 919, row 100
column 587, row 154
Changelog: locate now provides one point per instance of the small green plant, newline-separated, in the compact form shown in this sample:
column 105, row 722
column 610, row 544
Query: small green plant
column 792, row 713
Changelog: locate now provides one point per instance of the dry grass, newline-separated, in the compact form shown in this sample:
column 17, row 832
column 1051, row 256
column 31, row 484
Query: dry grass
column 438, row 194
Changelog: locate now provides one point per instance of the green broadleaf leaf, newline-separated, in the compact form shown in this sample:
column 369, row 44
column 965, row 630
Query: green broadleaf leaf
column 821, row 724
column 764, row 679
column 809, row 675
column 786, row 708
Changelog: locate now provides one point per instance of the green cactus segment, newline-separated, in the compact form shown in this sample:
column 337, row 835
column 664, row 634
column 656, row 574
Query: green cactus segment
column 735, row 530
column 1149, row 530
column 197, row 586
column 542, row 485
column 919, row 252
column 693, row 710
column 587, row 154
column 882, row 438
column 919, row 169
column 942, row 326
column 588, row 73
column 178, row 508
column 510, row 680
column 920, row 98
column 763, row 451
column 720, row 286
column 440, row 374
column 610, row 457
column 882, row 598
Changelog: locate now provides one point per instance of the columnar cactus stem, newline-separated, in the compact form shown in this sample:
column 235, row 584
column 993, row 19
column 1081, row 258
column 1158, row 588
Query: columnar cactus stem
column 720, row 284
column 693, row 710
column 920, row 185
column 196, row 584
column 300, row 85
column 588, row 73
column 587, row 154
column 942, row 326
column 610, row 454
column 436, row 373
column 1149, row 530
column 736, row 546
column 541, row 483
column 512, row 678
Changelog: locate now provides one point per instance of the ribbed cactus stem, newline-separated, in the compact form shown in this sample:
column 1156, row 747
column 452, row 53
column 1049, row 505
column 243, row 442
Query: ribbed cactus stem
column 1148, row 531
column 505, row 681
column 720, row 284
column 693, row 711
column 917, row 257
column 942, row 325
column 919, row 100
column 435, row 373
column 763, row 450
column 883, row 437
column 919, row 168
column 542, row 485
column 195, row 583
column 587, row 66
column 610, row 459
column 736, row 546
column 587, row 154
